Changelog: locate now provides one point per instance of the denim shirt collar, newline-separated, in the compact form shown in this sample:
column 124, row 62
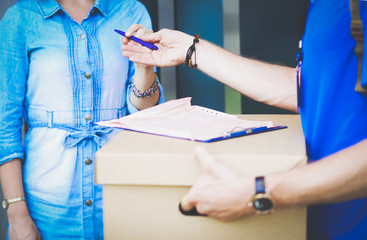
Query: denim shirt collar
column 101, row 5
column 49, row 8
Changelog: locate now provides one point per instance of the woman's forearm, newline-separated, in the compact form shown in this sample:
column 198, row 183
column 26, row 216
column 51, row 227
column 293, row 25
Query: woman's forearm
column 143, row 80
column 21, row 225
column 11, row 180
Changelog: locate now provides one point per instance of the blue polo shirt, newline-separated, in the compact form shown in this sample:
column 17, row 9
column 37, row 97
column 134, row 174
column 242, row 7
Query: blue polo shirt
column 334, row 116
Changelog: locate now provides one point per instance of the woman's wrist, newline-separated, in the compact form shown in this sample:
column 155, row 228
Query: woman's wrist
column 143, row 68
column 144, row 77
column 17, row 210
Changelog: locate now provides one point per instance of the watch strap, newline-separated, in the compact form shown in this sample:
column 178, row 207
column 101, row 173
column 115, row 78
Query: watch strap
column 14, row 200
column 5, row 203
column 260, row 185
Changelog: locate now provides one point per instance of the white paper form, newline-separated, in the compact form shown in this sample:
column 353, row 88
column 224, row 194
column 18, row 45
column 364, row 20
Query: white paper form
column 179, row 119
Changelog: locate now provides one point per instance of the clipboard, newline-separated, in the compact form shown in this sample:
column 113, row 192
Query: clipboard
column 179, row 119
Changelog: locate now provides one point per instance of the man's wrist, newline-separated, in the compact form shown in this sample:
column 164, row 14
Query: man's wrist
column 262, row 201
column 186, row 43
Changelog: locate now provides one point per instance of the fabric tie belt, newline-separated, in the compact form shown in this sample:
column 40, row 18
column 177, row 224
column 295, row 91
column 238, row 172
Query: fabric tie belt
column 65, row 120
column 93, row 132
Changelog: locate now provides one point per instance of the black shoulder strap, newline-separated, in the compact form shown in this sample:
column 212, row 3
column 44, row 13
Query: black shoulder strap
column 357, row 33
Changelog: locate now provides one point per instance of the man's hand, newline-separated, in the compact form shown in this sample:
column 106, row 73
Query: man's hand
column 172, row 47
column 218, row 192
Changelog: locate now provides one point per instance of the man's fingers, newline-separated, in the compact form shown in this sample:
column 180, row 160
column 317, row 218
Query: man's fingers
column 136, row 55
column 206, row 161
column 186, row 205
column 210, row 165
column 135, row 48
column 143, row 60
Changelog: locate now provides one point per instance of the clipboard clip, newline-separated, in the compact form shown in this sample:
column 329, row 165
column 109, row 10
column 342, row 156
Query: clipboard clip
column 245, row 131
column 241, row 131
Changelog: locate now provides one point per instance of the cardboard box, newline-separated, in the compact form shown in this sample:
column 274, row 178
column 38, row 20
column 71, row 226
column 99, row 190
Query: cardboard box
column 145, row 177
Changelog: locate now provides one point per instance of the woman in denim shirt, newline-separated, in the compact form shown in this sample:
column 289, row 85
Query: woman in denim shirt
column 62, row 70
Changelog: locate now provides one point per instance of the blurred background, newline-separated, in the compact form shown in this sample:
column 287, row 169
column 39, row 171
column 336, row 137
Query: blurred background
column 265, row 30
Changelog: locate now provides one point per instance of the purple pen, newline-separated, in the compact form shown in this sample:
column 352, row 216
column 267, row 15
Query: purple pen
column 145, row 44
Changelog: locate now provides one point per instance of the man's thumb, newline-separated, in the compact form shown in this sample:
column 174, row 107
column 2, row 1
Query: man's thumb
column 205, row 160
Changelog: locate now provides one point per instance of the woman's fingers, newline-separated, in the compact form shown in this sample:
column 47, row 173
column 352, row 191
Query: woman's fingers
column 133, row 29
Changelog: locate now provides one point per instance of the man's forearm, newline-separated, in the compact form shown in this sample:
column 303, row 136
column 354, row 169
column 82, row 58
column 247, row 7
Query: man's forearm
column 339, row 177
column 271, row 84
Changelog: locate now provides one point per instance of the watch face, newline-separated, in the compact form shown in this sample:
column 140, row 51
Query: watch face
column 4, row 204
column 263, row 204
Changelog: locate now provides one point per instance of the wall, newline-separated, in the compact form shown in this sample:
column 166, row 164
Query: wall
column 152, row 6
column 269, row 32
column 205, row 18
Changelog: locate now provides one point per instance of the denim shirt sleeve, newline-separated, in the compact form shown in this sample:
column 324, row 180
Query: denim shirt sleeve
column 140, row 15
column 13, row 74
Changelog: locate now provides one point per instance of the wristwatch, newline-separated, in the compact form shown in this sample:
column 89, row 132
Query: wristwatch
column 5, row 203
column 261, row 201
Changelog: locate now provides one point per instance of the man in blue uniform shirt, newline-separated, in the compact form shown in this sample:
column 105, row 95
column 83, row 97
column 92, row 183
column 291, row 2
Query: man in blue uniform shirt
column 334, row 119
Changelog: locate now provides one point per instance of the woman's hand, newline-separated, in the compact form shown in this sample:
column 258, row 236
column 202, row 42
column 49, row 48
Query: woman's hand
column 21, row 225
column 172, row 47
column 144, row 73
column 137, row 30
column 24, row 229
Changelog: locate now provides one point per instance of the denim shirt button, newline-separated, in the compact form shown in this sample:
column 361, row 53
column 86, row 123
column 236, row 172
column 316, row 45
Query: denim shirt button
column 88, row 161
column 88, row 202
column 82, row 36
column 87, row 117
column 88, row 75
